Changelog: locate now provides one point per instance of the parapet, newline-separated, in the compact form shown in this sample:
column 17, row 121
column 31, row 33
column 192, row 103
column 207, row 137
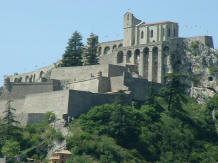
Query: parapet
column 206, row 40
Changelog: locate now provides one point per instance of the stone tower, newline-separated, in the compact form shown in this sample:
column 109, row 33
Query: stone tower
column 130, row 23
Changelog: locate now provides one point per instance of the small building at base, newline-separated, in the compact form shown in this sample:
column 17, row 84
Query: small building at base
column 60, row 157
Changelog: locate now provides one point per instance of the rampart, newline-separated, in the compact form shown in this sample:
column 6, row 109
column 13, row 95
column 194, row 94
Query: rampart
column 86, row 72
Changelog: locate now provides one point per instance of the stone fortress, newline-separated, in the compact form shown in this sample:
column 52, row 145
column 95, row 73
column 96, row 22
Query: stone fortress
column 147, row 52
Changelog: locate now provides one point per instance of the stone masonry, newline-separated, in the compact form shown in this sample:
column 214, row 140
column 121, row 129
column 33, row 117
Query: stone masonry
column 146, row 54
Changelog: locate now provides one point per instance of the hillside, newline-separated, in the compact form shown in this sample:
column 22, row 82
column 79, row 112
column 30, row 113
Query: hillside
column 159, row 130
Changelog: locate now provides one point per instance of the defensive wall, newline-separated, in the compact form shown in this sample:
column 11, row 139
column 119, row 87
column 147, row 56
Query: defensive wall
column 63, row 103
column 35, row 76
column 81, row 73
column 94, row 85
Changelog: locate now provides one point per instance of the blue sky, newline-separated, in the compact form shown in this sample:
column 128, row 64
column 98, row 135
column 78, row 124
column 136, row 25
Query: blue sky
column 34, row 34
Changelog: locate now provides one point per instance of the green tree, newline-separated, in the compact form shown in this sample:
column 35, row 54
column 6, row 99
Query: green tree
column 174, row 91
column 90, row 55
column 11, row 148
column 151, row 100
column 8, row 124
column 73, row 53
column 212, row 106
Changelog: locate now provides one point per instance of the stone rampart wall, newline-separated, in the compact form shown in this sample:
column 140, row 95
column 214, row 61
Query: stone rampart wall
column 80, row 102
column 206, row 40
column 20, row 90
column 35, row 76
column 79, row 73
column 56, row 101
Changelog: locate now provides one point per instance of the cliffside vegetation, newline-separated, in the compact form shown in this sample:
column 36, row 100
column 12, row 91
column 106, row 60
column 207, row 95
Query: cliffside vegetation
column 168, row 127
column 32, row 141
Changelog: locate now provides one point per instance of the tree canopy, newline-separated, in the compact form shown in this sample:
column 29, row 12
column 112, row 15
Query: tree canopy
column 73, row 53
column 90, row 55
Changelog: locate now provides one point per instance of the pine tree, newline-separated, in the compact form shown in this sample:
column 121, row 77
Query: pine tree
column 90, row 56
column 174, row 91
column 73, row 52
column 9, row 126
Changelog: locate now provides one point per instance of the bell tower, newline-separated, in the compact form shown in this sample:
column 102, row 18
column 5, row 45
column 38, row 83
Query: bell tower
column 130, row 23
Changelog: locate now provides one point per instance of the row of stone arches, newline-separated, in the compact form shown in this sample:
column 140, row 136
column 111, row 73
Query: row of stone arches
column 130, row 58
column 134, row 57
column 29, row 78
column 109, row 49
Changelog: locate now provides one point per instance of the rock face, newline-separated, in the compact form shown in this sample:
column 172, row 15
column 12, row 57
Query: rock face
column 200, row 63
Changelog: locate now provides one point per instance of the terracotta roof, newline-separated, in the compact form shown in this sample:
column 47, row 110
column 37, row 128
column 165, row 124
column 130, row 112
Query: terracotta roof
column 162, row 22
column 63, row 152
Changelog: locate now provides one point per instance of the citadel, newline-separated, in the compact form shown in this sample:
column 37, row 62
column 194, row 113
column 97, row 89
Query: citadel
column 147, row 52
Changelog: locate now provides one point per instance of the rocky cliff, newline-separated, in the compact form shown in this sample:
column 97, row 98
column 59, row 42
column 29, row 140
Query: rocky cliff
column 200, row 63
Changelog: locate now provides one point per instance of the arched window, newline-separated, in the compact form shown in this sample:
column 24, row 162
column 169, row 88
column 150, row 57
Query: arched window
column 106, row 50
column 168, row 32
column 16, row 80
column 120, row 57
column 40, row 74
column 152, row 33
column 120, row 45
column 142, row 35
column 166, row 60
column 154, row 64
column 114, row 47
column 20, row 79
column 128, row 57
column 137, row 56
column 27, row 79
column 145, row 62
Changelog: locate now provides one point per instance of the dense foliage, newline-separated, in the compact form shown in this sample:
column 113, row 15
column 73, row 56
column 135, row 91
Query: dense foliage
column 32, row 141
column 169, row 127
column 145, row 134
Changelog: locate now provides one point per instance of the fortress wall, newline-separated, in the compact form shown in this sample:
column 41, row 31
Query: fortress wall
column 116, row 70
column 79, row 73
column 104, row 85
column 206, row 40
column 20, row 90
column 29, row 118
column 36, row 75
column 41, row 103
column 35, row 118
column 108, row 59
column 87, row 85
column 80, row 102
column 139, row 87
column 117, row 83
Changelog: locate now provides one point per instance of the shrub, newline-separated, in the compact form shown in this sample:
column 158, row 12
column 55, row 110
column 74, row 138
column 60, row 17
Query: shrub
column 195, row 44
column 212, row 70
